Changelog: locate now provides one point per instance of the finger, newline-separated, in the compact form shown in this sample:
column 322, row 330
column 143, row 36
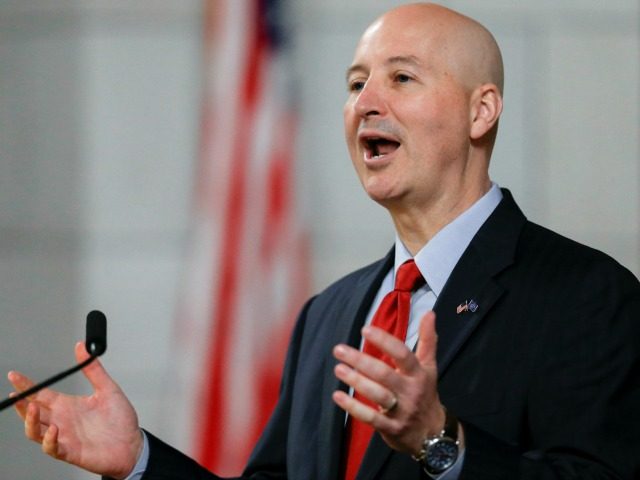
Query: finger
column 361, row 411
column 95, row 372
column 371, row 367
column 373, row 391
column 50, row 441
column 44, row 413
column 21, row 383
column 354, row 407
column 20, row 406
column 428, row 341
column 21, row 410
column 32, row 423
column 395, row 348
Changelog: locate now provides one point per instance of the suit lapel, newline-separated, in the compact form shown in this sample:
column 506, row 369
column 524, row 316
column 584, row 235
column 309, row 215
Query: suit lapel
column 351, row 317
column 472, row 281
column 468, row 285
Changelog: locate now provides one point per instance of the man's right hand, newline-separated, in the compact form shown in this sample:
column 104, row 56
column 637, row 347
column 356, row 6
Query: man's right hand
column 98, row 433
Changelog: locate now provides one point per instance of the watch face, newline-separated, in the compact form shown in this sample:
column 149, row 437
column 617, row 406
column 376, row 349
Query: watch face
column 441, row 455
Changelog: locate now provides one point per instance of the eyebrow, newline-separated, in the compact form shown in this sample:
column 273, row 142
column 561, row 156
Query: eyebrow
column 397, row 59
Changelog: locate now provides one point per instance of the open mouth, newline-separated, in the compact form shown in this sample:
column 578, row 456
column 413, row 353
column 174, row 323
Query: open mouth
column 377, row 147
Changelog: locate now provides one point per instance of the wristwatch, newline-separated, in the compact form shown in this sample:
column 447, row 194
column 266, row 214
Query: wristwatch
column 440, row 452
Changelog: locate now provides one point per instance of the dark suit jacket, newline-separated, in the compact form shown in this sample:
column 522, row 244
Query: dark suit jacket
column 544, row 375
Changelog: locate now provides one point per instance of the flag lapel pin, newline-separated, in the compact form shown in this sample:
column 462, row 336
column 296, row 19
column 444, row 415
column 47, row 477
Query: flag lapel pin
column 467, row 306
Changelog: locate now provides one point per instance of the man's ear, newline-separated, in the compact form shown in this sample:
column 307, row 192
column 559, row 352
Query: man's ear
column 486, row 107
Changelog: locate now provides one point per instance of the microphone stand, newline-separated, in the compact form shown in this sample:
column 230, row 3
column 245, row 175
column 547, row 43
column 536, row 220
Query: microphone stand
column 36, row 388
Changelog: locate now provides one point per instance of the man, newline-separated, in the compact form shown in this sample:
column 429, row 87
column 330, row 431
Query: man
column 537, row 356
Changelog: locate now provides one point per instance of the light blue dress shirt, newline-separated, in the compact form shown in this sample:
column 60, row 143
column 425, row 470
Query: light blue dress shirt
column 435, row 261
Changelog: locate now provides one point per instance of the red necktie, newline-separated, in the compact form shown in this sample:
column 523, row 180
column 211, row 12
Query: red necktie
column 393, row 316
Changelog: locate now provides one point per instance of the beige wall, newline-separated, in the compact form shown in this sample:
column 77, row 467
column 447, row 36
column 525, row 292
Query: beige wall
column 98, row 132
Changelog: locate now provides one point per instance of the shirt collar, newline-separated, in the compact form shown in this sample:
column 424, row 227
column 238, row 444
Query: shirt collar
column 440, row 255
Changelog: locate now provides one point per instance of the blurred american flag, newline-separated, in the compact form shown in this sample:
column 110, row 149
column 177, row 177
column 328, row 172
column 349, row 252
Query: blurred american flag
column 247, row 273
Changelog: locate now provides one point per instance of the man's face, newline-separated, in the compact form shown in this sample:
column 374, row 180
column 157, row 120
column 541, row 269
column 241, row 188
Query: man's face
column 407, row 117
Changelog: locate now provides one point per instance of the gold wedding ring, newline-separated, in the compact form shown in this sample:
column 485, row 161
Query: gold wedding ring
column 385, row 410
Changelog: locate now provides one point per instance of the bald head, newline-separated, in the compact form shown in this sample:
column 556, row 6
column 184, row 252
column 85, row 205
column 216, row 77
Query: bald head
column 464, row 44
column 422, row 113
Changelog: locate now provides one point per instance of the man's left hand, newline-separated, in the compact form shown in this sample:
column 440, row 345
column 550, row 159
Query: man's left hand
column 409, row 407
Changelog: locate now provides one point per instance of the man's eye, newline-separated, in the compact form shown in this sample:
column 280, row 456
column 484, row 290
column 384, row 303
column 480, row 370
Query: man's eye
column 402, row 78
column 356, row 86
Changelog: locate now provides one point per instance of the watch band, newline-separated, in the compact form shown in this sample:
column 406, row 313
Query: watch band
column 450, row 429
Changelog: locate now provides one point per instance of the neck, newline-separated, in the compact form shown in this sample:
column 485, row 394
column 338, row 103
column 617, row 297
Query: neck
column 417, row 223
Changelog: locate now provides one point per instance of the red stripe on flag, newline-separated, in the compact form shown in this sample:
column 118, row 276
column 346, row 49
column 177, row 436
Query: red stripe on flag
column 227, row 294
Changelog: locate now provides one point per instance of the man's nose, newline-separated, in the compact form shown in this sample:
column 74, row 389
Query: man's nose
column 370, row 100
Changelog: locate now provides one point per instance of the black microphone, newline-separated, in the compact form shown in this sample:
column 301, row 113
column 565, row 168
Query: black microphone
column 96, row 339
column 95, row 344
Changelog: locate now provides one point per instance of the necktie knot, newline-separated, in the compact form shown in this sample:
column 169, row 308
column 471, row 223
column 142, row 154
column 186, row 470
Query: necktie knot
column 408, row 277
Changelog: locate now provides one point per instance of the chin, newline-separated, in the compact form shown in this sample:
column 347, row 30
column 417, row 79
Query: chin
column 381, row 195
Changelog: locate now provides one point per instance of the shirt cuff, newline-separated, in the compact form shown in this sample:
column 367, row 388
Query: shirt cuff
column 141, row 465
